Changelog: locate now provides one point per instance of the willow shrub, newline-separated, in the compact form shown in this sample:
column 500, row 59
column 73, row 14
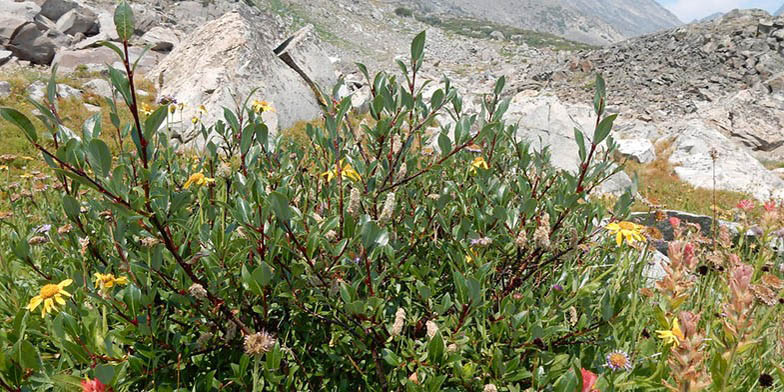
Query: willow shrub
column 425, row 249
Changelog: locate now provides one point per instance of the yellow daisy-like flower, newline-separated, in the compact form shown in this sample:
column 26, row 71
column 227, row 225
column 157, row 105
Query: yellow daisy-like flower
column 479, row 163
column 202, row 109
column 261, row 106
column 198, row 179
column 346, row 172
column 194, row 120
column 672, row 336
column 629, row 231
column 146, row 109
column 26, row 175
column 172, row 108
column 106, row 281
column 50, row 296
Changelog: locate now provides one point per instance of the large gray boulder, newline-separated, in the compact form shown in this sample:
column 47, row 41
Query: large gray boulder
column 54, row 9
column 8, row 25
column 96, row 59
column 735, row 168
column 32, row 44
column 545, row 121
column 228, row 58
column 78, row 20
column 638, row 150
column 26, row 10
column 161, row 39
column 14, row 15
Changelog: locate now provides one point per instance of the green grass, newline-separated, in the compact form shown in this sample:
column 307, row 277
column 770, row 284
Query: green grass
column 71, row 111
column 482, row 29
column 661, row 186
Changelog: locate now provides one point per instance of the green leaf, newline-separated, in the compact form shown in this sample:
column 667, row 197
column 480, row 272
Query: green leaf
column 600, row 95
column 154, row 121
column 435, row 349
column 249, row 282
column 444, row 143
column 113, row 47
column 71, row 208
column 499, row 85
column 51, row 86
column 123, row 20
column 100, row 157
column 105, row 373
column 280, row 205
column 21, row 121
column 418, row 47
column 603, row 129
column 373, row 235
column 28, row 355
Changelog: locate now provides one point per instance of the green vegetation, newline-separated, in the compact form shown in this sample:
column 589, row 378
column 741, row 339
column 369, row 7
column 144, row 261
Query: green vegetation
column 404, row 12
column 361, row 255
column 482, row 29
column 661, row 186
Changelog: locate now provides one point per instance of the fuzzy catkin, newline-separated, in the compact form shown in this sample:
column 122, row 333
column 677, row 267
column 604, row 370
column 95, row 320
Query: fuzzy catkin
column 389, row 208
column 432, row 329
column 353, row 203
column 400, row 319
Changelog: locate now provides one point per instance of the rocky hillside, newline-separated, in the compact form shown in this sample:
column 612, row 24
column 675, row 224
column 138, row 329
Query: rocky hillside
column 592, row 21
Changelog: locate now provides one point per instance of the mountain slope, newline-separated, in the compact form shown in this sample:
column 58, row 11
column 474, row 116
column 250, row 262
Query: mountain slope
column 780, row 11
column 591, row 21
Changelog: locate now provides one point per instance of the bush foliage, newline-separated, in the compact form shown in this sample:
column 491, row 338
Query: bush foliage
column 394, row 254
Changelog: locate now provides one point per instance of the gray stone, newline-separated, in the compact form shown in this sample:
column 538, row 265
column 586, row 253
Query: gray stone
column 497, row 35
column 302, row 53
column 54, row 9
column 92, row 108
column 26, row 10
column 8, row 25
column 161, row 39
column 736, row 170
column 546, row 122
column 95, row 59
column 5, row 56
column 78, row 21
column 230, row 56
column 638, row 150
column 5, row 89
column 37, row 91
column 100, row 87
column 30, row 43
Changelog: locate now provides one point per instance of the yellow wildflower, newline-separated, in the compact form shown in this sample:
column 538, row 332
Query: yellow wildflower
column 50, row 296
column 479, row 163
column 198, row 179
column 194, row 120
column 625, row 230
column 28, row 158
column 172, row 108
column 346, row 172
column 261, row 106
column 3, row 167
column 106, row 281
column 146, row 109
column 202, row 109
column 672, row 336
column 26, row 175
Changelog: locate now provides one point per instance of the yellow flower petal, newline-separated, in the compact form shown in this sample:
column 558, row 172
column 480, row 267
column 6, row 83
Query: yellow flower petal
column 34, row 302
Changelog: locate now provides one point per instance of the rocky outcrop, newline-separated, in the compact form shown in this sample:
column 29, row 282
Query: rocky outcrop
column 546, row 122
column 227, row 58
column 735, row 169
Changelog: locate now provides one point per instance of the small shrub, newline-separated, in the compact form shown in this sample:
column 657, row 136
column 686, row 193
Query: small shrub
column 404, row 12
column 375, row 256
